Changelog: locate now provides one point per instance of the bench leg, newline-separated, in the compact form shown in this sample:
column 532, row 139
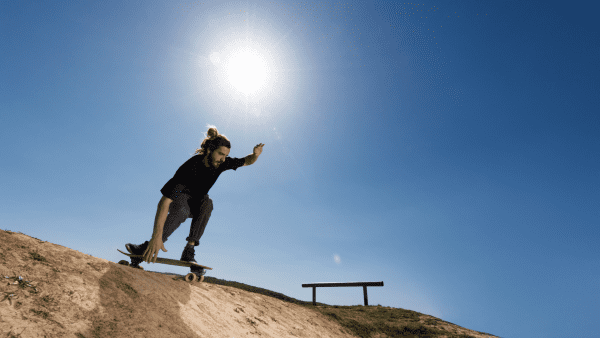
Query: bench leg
column 314, row 295
column 366, row 298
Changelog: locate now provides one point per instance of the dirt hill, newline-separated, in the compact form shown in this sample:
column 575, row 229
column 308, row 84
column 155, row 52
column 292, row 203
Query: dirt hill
column 47, row 290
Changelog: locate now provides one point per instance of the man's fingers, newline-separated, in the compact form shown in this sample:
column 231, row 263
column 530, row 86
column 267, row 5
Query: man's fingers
column 148, row 256
column 151, row 253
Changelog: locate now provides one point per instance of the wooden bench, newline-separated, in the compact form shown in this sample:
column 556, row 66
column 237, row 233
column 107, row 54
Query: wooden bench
column 363, row 284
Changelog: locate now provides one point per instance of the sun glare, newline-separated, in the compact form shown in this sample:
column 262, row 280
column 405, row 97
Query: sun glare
column 246, row 70
column 244, row 63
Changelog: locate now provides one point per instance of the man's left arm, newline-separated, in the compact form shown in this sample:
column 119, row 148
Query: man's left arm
column 250, row 159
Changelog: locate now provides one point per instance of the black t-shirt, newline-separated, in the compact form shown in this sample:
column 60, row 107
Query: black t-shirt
column 195, row 179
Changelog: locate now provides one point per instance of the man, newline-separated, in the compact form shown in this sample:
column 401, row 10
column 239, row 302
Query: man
column 186, row 196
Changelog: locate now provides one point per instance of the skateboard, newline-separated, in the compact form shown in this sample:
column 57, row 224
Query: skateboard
column 190, row 277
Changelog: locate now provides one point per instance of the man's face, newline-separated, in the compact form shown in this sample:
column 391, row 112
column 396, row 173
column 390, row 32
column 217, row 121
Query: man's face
column 217, row 157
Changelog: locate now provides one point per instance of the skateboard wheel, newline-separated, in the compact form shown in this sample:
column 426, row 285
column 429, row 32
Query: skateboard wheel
column 191, row 277
column 122, row 262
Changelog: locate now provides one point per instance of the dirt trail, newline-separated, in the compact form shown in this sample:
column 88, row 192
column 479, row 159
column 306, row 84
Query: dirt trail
column 65, row 293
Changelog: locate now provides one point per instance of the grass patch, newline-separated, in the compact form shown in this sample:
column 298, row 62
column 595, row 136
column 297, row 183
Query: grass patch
column 12, row 335
column 42, row 314
column 37, row 257
column 130, row 291
column 47, row 299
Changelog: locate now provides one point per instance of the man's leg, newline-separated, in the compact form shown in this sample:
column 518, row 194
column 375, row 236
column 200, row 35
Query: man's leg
column 179, row 211
column 202, row 209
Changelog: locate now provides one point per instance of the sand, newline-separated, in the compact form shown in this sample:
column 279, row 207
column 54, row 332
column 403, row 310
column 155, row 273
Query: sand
column 65, row 293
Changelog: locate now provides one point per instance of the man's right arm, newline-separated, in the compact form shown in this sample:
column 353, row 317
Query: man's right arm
column 156, row 242
column 165, row 200
column 161, row 216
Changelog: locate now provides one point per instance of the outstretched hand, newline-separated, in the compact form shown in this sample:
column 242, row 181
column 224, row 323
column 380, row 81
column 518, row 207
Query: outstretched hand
column 151, row 253
column 258, row 149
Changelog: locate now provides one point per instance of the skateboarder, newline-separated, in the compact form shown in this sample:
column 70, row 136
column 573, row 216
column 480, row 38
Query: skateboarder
column 186, row 196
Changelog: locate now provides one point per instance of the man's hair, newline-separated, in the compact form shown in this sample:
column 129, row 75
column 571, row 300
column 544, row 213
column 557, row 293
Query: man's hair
column 212, row 141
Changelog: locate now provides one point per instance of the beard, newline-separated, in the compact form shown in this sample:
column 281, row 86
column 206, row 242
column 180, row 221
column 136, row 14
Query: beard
column 213, row 163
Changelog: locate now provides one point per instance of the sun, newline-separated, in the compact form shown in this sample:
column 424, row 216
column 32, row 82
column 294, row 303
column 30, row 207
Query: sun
column 246, row 70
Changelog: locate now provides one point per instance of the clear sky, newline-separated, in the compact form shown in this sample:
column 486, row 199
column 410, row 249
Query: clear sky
column 449, row 150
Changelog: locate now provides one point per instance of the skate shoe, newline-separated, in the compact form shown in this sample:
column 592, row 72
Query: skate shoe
column 188, row 254
column 136, row 250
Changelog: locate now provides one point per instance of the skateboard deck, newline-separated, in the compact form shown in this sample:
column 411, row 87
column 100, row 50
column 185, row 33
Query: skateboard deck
column 189, row 277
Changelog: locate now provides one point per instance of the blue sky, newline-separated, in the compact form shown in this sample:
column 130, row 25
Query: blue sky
column 450, row 150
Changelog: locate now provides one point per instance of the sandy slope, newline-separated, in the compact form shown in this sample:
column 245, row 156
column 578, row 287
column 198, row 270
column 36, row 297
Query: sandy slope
column 65, row 293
